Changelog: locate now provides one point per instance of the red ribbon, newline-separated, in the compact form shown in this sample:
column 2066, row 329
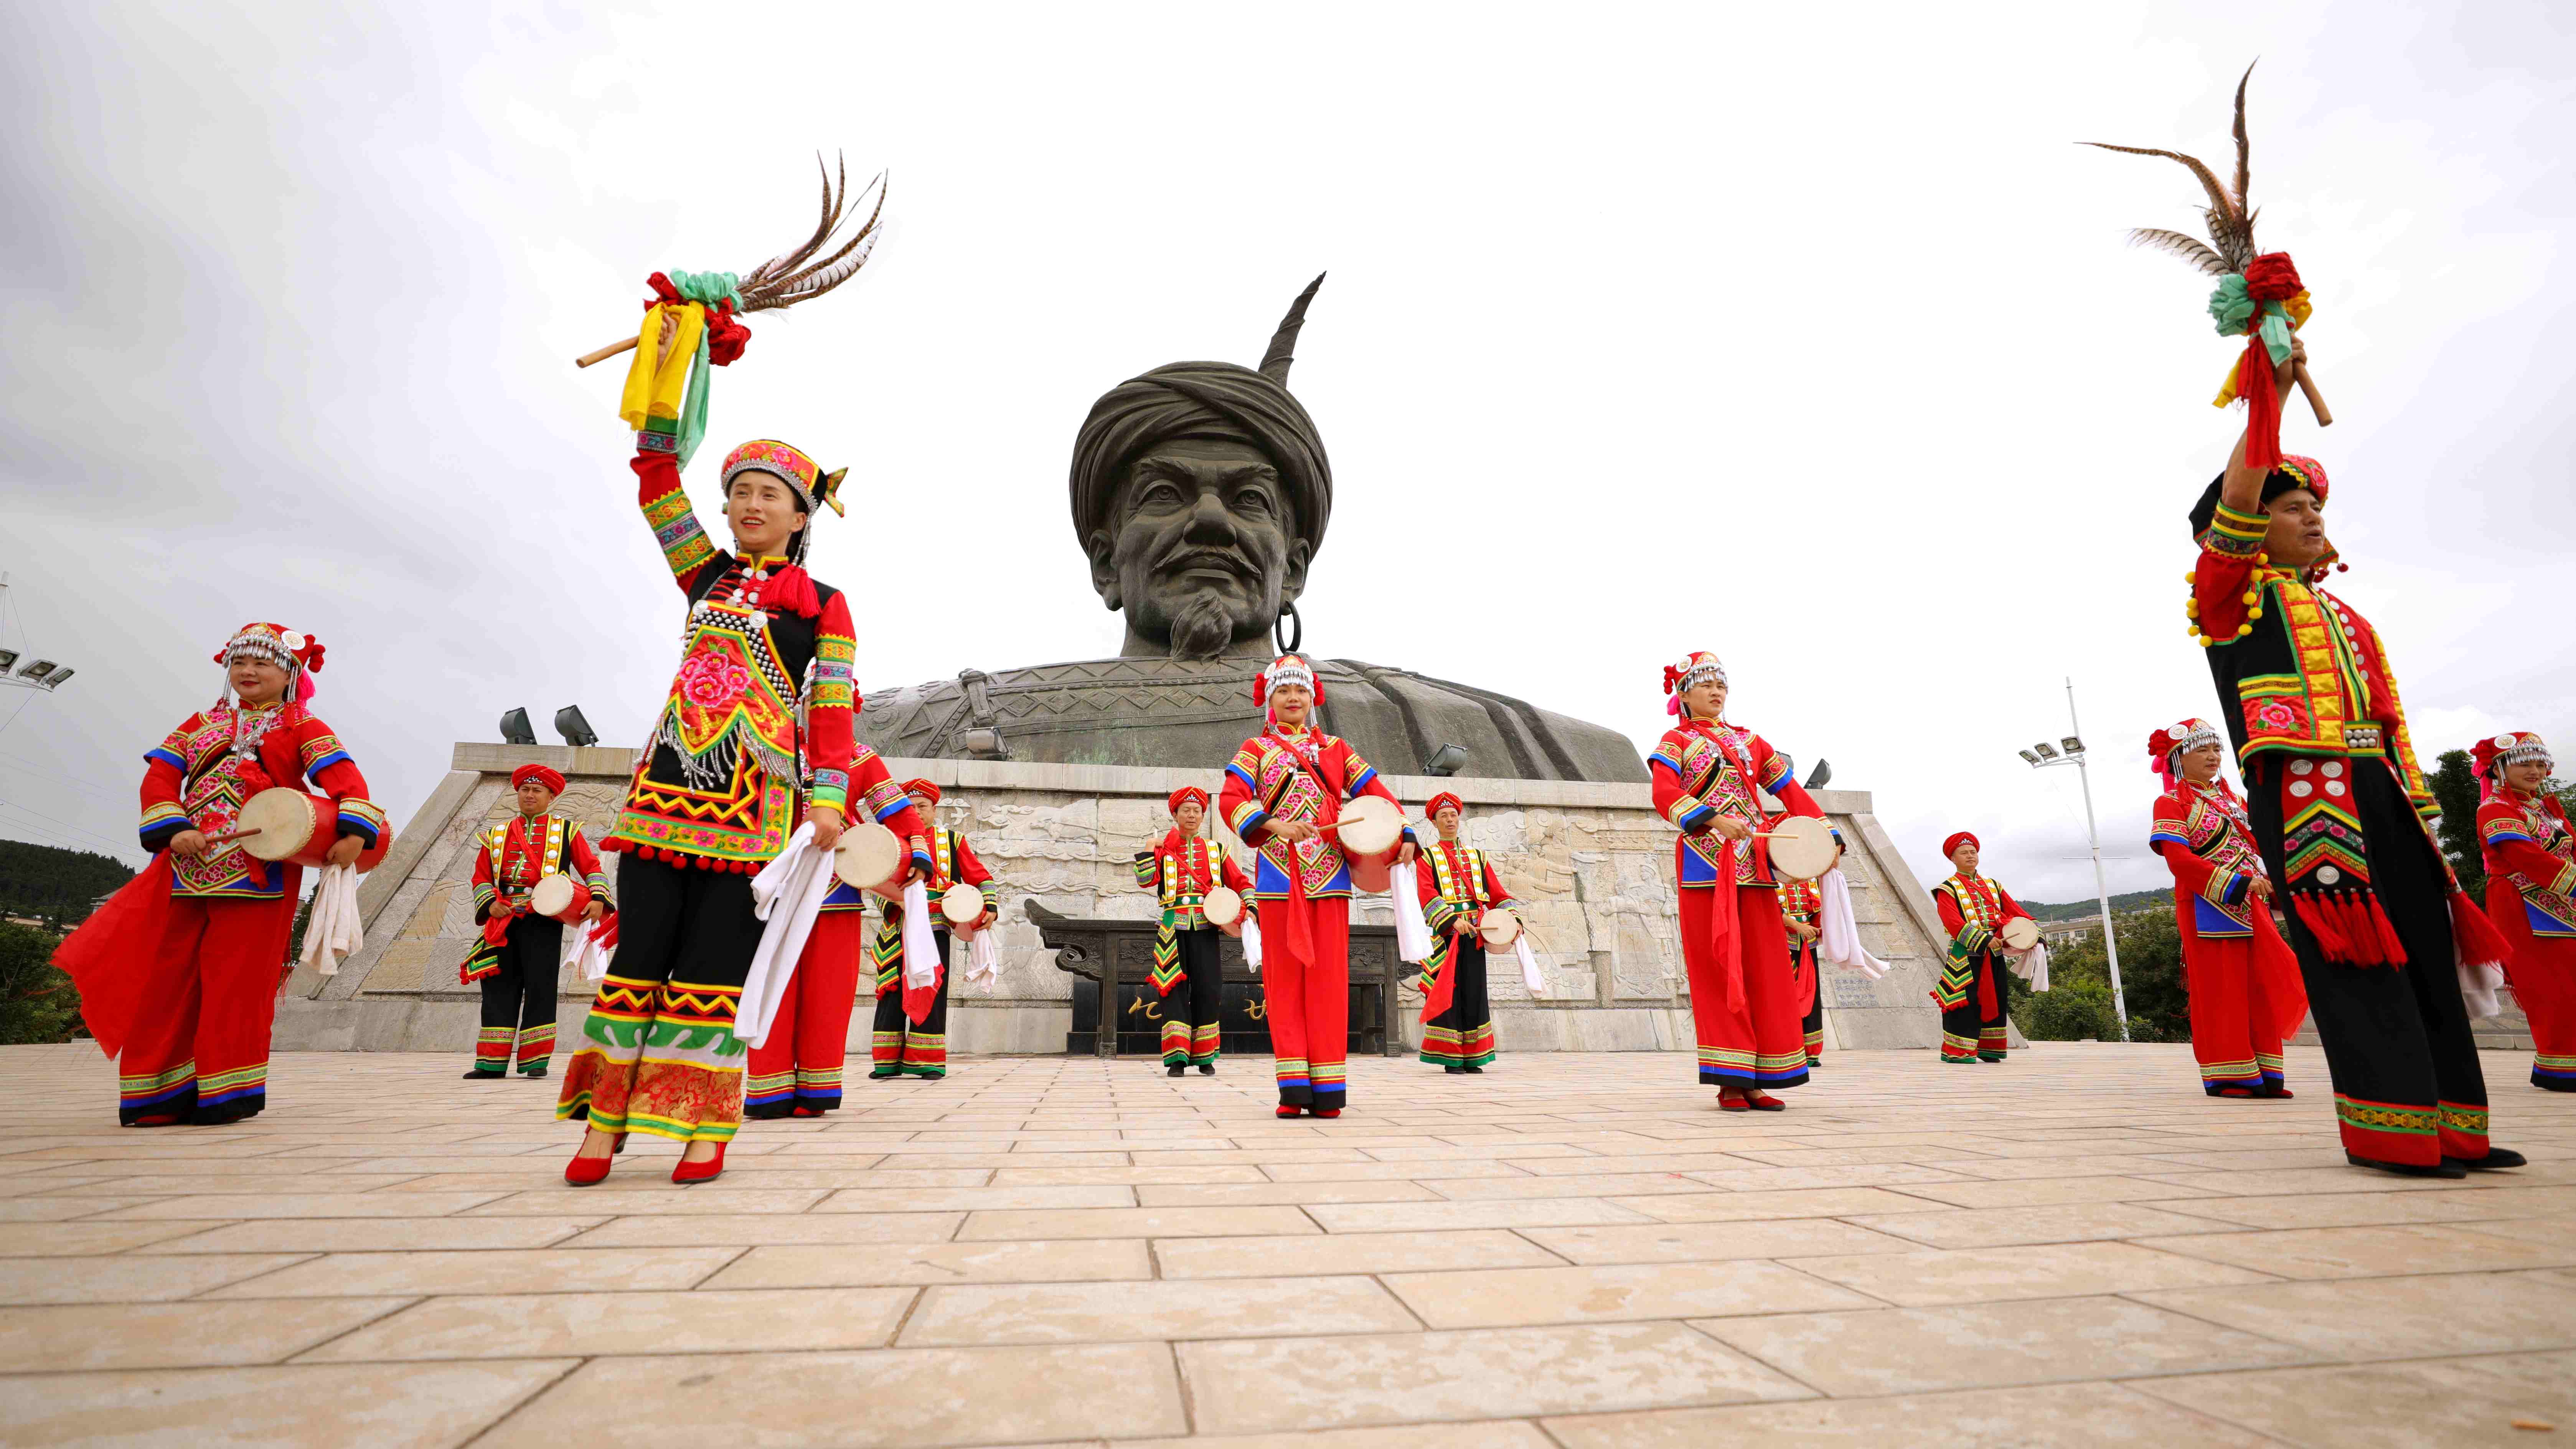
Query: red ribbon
column 2268, row 278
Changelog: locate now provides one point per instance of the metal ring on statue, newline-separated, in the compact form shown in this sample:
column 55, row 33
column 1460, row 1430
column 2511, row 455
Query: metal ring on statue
column 1288, row 610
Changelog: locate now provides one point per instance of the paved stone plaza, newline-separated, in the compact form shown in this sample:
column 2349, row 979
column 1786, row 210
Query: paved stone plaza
column 2071, row 1248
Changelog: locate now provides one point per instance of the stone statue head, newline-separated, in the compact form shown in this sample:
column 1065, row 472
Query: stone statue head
column 1200, row 494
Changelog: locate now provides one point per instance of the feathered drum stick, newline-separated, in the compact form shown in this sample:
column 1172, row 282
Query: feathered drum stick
column 2259, row 295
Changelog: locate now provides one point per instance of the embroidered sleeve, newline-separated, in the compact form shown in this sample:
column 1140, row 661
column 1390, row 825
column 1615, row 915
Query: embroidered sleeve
column 1239, row 799
column 831, row 715
column 1364, row 780
column 586, row 865
column 1664, row 771
column 338, row 777
column 1236, row 880
column 165, row 773
column 666, row 505
column 1494, row 891
column 2223, row 576
column 1965, row 934
column 2511, row 848
column 483, row 889
column 1149, row 870
column 876, row 794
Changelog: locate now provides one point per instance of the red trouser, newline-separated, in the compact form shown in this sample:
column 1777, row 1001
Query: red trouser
column 2543, row 976
column 1306, row 964
column 799, row 1063
column 1763, row 1043
column 198, row 1049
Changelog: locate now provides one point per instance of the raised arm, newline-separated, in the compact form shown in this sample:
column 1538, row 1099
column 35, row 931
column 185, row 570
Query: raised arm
column 666, row 507
column 2241, row 488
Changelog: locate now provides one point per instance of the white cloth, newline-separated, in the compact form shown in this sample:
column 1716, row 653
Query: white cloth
column 1412, row 933
column 797, row 880
column 331, row 932
column 2478, row 988
column 1252, row 944
column 921, row 961
column 983, row 959
column 583, row 953
column 1840, row 943
column 2031, row 966
column 1530, row 977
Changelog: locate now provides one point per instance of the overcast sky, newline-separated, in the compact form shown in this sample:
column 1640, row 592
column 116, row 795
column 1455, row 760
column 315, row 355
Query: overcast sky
column 1807, row 338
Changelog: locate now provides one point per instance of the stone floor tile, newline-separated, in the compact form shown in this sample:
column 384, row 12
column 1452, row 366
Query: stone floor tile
column 837, row 1266
column 1276, row 1385
column 2557, row 1233
column 2344, row 1210
column 2300, row 1182
column 1003, row 1159
column 536, row 1270
column 2001, row 1169
column 1664, row 1160
column 1525, row 1189
column 1734, row 1207
column 1154, row 1173
column 174, row 1335
column 372, row 1235
column 129, row 1279
column 395, row 1406
column 2463, row 1402
column 1255, row 1194
column 2086, row 1416
column 1384, row 1171
column 649, row 1195
column 2368, row 1252
column 1776, row 1179
column 590, row 1324
column 998, row 1313
column 2009, row 1227
column 2046, row 1191
column 2360, row 1319
column 748, row 1229
column 972, row 1199
column 62, row 1209
column 1399, row 1217
column 1714, row 1242
column 771, row 1173
column 2048, row 1270
column 925, row 1398
column 1927, row 1350
column 67, row 1240
column 266, row 1184
column 1348, row 1253
column 1140, row 1222
column 305, row 1205
column 1516, row 1297
column 1484, row 1434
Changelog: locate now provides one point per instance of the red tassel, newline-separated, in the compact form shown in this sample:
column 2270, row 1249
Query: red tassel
column 2396, row 949
column 792, row 589
column 2262, row 404
column 2479, row 942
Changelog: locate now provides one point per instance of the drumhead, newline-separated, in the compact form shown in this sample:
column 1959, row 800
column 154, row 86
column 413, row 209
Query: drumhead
column 1370, row 826
column 868, row 856
column 1802, row 847
column 962, row 904
column 2020, row 933
column 285, row 820
column 1501, row 928
column 1223, row 905
column 553, row 896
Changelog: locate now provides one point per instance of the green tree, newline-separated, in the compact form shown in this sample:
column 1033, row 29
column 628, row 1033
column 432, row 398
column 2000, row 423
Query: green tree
column 54, row 884
column 2078, row 1001
column 2455, row 789
column 37, row 1001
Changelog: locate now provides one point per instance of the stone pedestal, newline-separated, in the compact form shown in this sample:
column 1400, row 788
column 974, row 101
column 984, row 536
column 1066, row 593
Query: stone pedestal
column 1591, row 862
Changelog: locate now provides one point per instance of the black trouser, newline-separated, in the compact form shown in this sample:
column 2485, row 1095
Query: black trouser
column 1969, row 1033
column 519, row 999
column 898, row 1045
column 1193, row 1012
column 2405, row 1068
column 1463, row 1035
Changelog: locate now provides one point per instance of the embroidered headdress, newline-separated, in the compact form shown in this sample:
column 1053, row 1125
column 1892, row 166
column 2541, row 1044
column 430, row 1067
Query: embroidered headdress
column 1185, row 795
column 1695, row 668
column 1951, row 846
column 2166, row 746
column 300, row 655
column 1441, row 799
column 1286, row 669
column 803, row 476
column 922, row 787
column 2493, row 755
column 545, row 775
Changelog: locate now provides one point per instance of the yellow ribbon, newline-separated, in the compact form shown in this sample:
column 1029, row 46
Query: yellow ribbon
column 2299, row 308
column 655, row 384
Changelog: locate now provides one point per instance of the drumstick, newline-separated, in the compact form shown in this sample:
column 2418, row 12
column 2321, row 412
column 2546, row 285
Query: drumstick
column 2316, row 402
column 622, row 344
column 230, row 836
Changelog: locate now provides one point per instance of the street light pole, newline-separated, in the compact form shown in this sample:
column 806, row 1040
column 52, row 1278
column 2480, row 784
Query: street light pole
column 2101, row 887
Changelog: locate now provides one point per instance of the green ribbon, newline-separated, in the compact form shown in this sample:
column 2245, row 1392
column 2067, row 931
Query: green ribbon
column 2234, row 310
column 710, row 288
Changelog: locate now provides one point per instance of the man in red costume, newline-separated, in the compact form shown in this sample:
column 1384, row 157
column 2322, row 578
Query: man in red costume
column 1972, row 993
column 764, row 678
column 1283, row 791
column 2339, row 806
column 1181, row 869
column 519, row 955
column 1707, row 777
column 1456, row 886
column 910, row 1036
column 179, row 972
column 2531, row 895
column 2244, row 983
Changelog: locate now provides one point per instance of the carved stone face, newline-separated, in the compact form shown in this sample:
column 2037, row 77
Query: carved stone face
column 1200, row 550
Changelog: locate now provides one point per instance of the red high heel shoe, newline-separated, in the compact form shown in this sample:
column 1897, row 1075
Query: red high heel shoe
column 1287, row 1111
column 584, row 1171
column 688, row 1172
column 1326, row 1111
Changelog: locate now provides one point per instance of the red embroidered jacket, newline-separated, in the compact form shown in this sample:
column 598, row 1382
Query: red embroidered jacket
column 1456, row 885
column 2207, row 841
column 1181, row 872
column 1264, row 781
column 1973, row 909
column 2524, row 840
column 1701, row 770
column 198, row 777
column 520, row 851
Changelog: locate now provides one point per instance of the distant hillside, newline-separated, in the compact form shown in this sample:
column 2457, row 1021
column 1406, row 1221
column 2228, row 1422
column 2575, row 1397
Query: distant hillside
column 2077, row 910
column 53, row 883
